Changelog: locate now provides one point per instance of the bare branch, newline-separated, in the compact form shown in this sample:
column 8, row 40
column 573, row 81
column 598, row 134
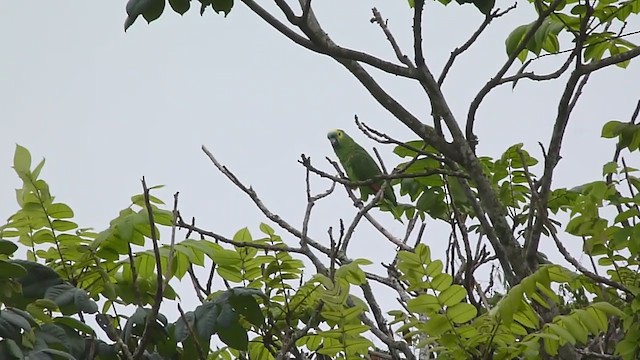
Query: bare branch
column 582, row 269
column 288, row 344
column 368, row 216
column 241, row 244
column 311, row 200
column 256, row 200
column 418, row 8
column 475, row 104
column 464, row 47
column 151, row 316
column 381, row 322
column 544, row 77
column 377, row 18
column 388, row 340
column 333, row 51
column 197, row 287
column 356, row 220
column 553, row 155
column 172, row 245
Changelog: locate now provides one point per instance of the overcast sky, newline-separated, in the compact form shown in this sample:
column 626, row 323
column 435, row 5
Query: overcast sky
column 105, row 107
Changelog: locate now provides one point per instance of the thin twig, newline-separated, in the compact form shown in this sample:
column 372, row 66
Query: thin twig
column 475, row 104
column 195, row 337
column 333, row 50
column 151, row 316
column 464, row 47
column 105, row 324
column 172, row 246
column 271, row 216
column 377, row 18
column 368, row 216
column 583, row 270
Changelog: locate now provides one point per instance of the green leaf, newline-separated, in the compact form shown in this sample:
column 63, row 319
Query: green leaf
column 612, row 129
column 515, row 38
column 16, row 318
column 206, row 318
column 180, row 6
column 436, row 325
column 44, row 353
column 63, row 225
column 83, row 302
column 43, row 236
column 434, row 268
column 610, row 168
column 181, row 329
column 484, row 6
column 266, row 229
column 21, row 160
column 562, row 332
column 424, row 304
column 452, row 295
column 14, row 349
column 9, row 270
column 608, row 308
column 627, row 214
column 248, row 307
column 258, row 350
column 154, row 11
column 441, row 282
column 577, row 330
column 74, row 324
column 222, row 6
column 229, row 329
column 230, row 273
column 243, row 235
column 149, row 9
column 461, row 313
column 140, row 201
column 7, row 248
column 60, row 211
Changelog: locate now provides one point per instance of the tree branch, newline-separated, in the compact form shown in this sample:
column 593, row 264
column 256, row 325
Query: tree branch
column 151, row 316
column 473, row 108
column 377, row 18
column 464, row 47
column 256, row 200
column 333, row 51
column 418, row 8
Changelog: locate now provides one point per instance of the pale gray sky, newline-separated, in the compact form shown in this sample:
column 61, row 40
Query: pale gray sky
column 107, row 107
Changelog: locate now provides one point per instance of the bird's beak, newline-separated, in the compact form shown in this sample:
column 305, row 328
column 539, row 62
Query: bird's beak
column 333, row 140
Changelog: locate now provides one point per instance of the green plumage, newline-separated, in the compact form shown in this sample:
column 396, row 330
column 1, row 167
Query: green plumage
column 359, row 165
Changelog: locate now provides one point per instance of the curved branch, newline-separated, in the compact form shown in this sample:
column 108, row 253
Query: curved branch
column 531, row 76
column 271, row 216
column 333, row 51
column 611, row 60
column 475, row 104
column 464, row 47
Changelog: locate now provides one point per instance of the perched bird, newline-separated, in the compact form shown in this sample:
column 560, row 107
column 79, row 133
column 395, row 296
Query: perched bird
column 359, row 165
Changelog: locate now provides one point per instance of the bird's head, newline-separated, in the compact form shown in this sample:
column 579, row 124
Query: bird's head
column 336, row 137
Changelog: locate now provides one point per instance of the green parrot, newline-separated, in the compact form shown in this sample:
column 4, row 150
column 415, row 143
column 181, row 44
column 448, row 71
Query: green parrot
column 359, row 165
